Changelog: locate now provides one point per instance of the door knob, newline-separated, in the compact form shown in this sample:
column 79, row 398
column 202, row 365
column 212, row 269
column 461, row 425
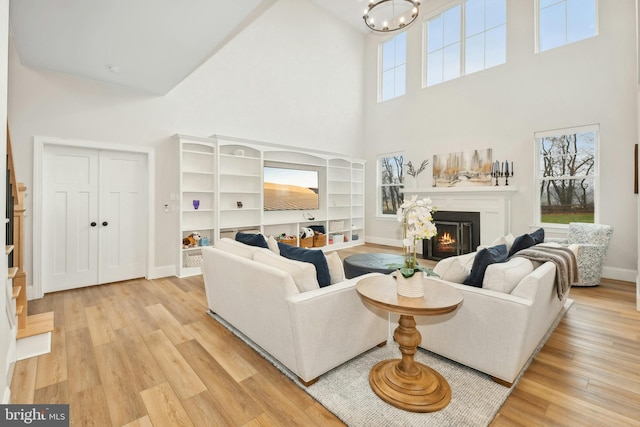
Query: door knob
column 93, row 224
column 105, row 223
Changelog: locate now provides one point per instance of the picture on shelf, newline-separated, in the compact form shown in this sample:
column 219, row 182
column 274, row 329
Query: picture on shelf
column 290, row 189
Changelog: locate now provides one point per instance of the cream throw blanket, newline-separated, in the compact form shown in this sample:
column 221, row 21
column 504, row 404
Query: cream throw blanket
column 562, row 257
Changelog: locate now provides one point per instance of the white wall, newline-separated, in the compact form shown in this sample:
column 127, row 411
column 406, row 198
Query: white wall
column 281, row 80
column 591, row 81
column 7, row 334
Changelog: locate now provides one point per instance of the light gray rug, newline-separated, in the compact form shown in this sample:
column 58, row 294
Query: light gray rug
column 345, row 390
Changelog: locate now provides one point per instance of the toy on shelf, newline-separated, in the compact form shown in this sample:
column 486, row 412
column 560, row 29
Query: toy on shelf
column 191, row 240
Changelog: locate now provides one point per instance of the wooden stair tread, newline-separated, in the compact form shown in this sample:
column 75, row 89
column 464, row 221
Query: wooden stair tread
column 8, row 249
column 16, row 292
column 37, row 324
column 12, row 272
column 19, row 310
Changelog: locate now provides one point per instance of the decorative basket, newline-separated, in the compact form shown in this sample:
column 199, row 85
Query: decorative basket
column 336, row 238
column 306, row 242
column 288, row 241
column 193, row 259
column 319, row 240
column 336, row 226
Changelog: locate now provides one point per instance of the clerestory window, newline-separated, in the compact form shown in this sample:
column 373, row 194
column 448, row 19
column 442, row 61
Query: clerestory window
column 465, row 38
column 393, row 68
column 561, row 22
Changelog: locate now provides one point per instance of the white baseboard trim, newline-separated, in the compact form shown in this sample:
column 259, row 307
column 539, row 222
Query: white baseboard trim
column 383, row 241
column 619, row 274
column 396, row 243
column 162, row 271
column 6, row 396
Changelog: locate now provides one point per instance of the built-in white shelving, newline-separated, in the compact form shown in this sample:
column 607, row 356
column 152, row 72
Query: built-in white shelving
column 197, row 182
column 226, row 175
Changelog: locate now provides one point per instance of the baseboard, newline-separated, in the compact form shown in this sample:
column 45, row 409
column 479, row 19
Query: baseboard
column 6, row 397
column 383, row 241
column 619, row 274
column 396, row 243
column 162, row 271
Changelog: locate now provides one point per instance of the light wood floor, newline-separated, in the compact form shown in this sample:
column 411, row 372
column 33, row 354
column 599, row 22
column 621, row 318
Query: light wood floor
column 142, row 353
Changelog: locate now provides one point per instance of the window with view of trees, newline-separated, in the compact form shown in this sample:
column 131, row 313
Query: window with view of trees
column 390, row 182
column 567, row 173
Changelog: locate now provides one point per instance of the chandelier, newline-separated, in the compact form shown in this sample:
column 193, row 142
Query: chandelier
column 390, row 15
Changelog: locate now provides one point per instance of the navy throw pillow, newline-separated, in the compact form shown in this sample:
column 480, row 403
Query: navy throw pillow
column 538, row 235
column 483, row 259
column 252, row 239
column 526, row 241
column 521, row 242
column 315, row 257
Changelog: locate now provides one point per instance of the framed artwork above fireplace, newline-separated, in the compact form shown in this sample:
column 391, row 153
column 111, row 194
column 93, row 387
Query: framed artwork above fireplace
column 462, row 169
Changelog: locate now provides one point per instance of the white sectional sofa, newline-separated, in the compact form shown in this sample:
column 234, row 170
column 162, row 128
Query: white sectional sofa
column 275, row 302
column 497, row 327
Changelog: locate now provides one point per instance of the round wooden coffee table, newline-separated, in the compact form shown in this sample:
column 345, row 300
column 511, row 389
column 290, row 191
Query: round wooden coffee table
column 405, row 383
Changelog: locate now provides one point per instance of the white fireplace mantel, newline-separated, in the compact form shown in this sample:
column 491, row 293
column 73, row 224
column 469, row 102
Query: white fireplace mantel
column 492, row 202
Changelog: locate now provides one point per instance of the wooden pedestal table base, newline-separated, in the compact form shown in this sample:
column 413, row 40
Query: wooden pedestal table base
column 404, row 383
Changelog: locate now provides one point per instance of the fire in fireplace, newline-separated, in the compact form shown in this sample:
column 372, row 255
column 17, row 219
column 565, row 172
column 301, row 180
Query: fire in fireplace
column 458, row 233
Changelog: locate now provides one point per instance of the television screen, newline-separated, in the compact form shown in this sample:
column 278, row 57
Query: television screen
column 290, row 189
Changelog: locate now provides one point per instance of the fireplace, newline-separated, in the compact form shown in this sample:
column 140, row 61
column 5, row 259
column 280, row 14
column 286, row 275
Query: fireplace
column 458, row 233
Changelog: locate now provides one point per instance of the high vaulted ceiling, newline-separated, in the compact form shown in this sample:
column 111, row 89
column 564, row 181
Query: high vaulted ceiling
column 150, row 45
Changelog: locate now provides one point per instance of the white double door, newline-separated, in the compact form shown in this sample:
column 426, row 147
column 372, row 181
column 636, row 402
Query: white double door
column 94, row 217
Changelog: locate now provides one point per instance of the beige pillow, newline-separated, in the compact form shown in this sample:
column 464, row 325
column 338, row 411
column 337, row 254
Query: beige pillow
column 273, row 245
column 229, row 245
column 336, row 269
column 505, row 276
column 502, row 240
column 303, row 273
column 455, row 272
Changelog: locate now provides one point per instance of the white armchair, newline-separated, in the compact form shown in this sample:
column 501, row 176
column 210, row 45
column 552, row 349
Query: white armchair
column 592, row 241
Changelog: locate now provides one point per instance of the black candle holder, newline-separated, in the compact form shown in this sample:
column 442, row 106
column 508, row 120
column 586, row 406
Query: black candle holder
column 506, row 177
column 499, row 170
column 496, row 175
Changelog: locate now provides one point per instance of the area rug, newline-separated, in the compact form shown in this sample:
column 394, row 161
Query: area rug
column 345, row 390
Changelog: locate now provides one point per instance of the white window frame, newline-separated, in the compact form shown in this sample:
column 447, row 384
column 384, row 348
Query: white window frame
column 537, row 27
column 379, row 184
column 381, row 71
column 463, row 39
column 537, row 177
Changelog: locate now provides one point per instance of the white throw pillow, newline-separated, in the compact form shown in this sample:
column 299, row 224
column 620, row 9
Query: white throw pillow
column 455, row 271
column 502, row 240
column 303, row 273
column 336, row 269
column 229, row 245
column 505, row 276
column 273, row 245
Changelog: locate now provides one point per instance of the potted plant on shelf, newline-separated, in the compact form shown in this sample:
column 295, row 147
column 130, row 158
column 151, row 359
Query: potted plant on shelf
column 417, row 224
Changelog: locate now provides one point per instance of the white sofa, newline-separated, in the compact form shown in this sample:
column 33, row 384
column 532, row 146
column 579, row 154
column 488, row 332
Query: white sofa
column 494, row 331
column 308, row 331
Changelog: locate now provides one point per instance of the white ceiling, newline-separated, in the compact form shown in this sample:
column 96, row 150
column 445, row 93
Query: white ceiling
column 150, row 45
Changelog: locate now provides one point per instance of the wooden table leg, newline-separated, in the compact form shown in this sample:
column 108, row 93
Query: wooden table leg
column 407, row 384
